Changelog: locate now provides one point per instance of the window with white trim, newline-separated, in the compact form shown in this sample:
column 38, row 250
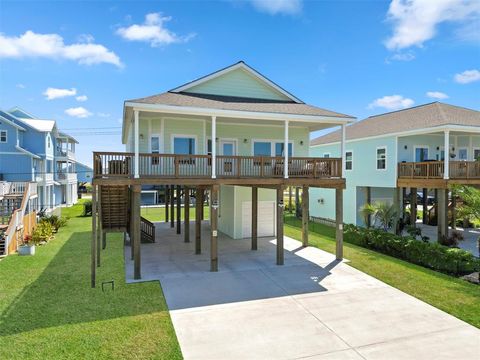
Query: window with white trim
column 3, row 136
column 476, row 154
column 349, row 160
column 381, row 158
column 184, row 145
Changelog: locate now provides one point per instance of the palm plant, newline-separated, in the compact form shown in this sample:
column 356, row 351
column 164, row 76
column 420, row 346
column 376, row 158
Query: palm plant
column 385, row 214
column 367, row 210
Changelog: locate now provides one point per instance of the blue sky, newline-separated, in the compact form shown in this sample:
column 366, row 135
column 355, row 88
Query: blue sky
column 77, row 62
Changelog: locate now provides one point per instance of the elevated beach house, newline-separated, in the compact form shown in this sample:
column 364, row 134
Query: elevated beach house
column 233, row 134
column 34, row 150
column 425, row 149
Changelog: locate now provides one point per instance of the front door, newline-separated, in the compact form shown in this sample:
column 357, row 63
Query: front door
column 228, row 150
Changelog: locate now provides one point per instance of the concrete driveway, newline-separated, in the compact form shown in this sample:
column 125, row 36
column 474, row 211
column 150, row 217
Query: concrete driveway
column 312, row 307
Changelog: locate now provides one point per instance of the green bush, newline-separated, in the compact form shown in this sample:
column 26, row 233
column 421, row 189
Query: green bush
column 430, row 255
column 43, row 232
column 56, row 221
column 87, row 208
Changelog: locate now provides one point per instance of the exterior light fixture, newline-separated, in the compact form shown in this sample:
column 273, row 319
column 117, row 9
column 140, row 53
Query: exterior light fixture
column 245, row 141
column 405, row 147
column 215, row 204
column 301, row 142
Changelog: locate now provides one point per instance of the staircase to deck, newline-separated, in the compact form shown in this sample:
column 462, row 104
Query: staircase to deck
column 114, row 207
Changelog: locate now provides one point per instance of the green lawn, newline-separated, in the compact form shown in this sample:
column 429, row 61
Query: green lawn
column 454, row 296
column 158, row 213
column 49, row 310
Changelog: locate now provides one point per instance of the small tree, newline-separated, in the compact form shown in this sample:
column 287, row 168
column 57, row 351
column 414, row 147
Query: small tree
column 471, row 201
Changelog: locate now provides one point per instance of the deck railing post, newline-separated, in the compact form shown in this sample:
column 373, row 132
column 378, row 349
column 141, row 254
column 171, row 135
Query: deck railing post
column 137, row 140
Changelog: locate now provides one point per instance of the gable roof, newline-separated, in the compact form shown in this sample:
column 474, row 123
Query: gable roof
column 415, row 118
column 20, row 113
column 40, row 125
column 189, row 87
column 10, row 120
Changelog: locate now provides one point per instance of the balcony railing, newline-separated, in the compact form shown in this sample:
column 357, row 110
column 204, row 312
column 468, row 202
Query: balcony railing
column 461, row 170
column 65, row 153
column 200, row 166
column 66, row 176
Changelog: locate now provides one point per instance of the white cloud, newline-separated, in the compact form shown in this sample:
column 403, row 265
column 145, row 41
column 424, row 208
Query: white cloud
column 416, row 21
column 392, row 102
column 20, row 86
column 55, row 93
column 437, row 95
column 467, row 76
column 274, row 7
column 82, row 98
column 153, row 31
column 51, row 46
column 103, row 115
column 79, row 112
column 408, row 56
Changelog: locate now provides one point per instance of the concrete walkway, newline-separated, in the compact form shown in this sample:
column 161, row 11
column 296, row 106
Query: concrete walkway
column 470, row 237
column 312, row 307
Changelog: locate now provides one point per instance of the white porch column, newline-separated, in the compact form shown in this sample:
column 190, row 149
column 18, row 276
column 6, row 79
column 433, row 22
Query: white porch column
column 285, row 152
column 446, row 171
column 136, row 141
column 214, row 147
column 342, row 146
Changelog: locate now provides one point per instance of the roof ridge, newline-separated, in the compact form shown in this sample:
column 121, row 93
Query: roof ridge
column 399, row 110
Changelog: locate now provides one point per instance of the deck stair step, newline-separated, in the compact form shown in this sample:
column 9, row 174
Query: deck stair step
column 114, row 207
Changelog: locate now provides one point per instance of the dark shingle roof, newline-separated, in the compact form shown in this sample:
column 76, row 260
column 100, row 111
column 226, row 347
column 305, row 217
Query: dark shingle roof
column 419, row 117
column 236, row 103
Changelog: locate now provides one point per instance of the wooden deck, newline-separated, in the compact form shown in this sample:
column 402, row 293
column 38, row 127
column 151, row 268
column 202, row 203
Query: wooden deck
column 118, row 168
column 431, row 174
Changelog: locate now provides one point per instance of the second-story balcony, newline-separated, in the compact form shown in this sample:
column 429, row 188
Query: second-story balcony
column 174, row 166
column 65, row 153
column 435, row 170
column 44, row 177
column 66, row 177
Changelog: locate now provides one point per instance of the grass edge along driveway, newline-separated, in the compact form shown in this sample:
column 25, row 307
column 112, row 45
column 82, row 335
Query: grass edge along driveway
column 454, row 296
column 49, row 310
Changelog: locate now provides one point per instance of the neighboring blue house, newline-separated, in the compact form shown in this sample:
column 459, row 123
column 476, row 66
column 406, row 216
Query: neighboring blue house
column 33, row 149
column 388, row 153
column 84, row 173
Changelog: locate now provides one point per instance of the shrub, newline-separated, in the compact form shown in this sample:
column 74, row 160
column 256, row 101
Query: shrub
column 430, row 255
column 43, row 232
column 54, row 220
column 87, row 208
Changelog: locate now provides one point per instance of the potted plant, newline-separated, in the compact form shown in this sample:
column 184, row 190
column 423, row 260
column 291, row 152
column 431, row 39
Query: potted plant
column 28, row 246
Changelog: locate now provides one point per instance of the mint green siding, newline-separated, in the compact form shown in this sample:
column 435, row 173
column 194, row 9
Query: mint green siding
column 435, row 144
column 231, row 201
column 364, row 173
column 243, row 135
column 238, row 83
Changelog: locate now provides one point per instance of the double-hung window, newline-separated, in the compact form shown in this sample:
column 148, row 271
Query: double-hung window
column 348, row 160
column 381, row 158
column 3, row 136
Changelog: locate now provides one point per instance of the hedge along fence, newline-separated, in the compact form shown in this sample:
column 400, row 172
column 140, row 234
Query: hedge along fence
column 430, row 255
